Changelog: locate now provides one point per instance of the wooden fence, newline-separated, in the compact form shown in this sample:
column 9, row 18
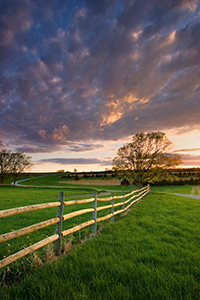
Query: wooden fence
column 127, row 201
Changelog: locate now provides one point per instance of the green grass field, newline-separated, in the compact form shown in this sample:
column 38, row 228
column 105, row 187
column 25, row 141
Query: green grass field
column 182, row 189
column 151, row 253
column 55, row 181
column 11, row 197
column 48, row 179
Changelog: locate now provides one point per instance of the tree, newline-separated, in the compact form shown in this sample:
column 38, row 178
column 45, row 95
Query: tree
column 20, row 163
column 60, row 171
column 5, row 164
column 13, row 164
column 145, row 159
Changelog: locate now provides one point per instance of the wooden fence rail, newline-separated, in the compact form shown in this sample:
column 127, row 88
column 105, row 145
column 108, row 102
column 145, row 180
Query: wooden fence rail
column 132, row 197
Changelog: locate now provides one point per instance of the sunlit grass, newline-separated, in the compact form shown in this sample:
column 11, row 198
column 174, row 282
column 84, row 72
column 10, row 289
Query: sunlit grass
column 182, row 189
column 57, row 180
column 151, row 253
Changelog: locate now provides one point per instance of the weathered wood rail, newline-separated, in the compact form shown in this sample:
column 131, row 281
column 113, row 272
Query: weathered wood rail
column 127, row 201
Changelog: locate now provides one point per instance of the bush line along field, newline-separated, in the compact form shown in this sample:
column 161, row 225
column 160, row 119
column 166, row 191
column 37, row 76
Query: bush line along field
column 151, row 253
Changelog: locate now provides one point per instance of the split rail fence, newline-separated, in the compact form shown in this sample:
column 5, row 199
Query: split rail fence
column 127, row 201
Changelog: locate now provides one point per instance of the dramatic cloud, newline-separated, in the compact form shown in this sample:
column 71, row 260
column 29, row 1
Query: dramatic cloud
column 82, row 147
column 78, row 161
column 69, row 147
column 73, row 72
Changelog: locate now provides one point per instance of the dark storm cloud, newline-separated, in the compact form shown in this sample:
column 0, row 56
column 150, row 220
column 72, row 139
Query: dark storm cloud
column 72, row 72
column 77, row 161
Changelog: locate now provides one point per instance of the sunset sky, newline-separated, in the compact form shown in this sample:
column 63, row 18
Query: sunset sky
column 80, row 78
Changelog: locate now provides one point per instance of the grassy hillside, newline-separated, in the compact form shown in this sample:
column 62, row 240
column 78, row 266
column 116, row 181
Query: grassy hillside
column 151, row 253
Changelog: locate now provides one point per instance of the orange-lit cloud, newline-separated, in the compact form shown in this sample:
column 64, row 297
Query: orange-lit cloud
column 60, row 134
column 75, row 77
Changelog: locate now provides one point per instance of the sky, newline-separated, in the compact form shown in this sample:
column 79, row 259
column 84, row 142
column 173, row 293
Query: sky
column 79, row 78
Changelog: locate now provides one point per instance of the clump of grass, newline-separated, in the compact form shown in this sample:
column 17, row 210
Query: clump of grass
column 67, row 246
column 49, row 253
column 36, row 259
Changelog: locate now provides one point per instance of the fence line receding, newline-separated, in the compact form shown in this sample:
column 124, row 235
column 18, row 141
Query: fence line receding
column 127, row 201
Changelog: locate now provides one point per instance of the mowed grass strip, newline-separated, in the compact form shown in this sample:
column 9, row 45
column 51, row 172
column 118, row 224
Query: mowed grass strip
column 151, row 253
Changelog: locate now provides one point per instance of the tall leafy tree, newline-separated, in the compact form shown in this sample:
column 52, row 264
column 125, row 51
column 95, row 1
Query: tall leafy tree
column 146, row 158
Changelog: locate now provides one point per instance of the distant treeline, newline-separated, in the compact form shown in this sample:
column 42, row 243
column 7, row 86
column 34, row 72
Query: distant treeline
column 181, row 176
column 191, row 181
column 177, row 172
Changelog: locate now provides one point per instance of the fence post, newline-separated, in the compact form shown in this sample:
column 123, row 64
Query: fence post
column 129, row 197
column 149, row 189
column 137, row 195
column 59, row 224
column 94, row 214
column 112, row 208
column 123, row 205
